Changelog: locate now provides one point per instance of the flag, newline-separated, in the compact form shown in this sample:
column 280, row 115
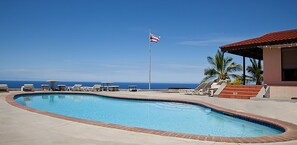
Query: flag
column 154, row 38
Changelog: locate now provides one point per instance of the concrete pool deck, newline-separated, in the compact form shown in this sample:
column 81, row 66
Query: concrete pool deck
column 18, row 126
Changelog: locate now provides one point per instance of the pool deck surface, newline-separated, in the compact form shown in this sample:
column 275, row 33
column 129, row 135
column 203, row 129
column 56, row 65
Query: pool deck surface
column 22, row 127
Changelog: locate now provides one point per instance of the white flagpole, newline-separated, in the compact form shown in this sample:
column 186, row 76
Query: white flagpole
column 150, row 62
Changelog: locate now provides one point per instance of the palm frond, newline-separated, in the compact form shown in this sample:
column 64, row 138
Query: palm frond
column 233, row 67
column 221, row 67
column 211, row 61
column 255, row 70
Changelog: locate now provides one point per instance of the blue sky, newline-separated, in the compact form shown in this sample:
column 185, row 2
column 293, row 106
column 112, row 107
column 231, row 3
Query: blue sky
column 107, row 40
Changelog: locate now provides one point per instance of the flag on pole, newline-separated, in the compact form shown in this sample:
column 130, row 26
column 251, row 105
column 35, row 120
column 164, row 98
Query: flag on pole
column 154, row 38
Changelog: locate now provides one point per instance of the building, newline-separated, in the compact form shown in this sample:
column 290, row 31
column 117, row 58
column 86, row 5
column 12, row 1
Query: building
column 278, row 50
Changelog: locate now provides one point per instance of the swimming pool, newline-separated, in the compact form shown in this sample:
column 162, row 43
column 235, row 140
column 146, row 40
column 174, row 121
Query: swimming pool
column 158, row 115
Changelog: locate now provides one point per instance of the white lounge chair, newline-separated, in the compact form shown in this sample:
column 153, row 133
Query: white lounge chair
column 62, row 87
column 215, row 87
column 113, row 88
column 96, row 87
column 132, row 88
column 44, row 87
column 197, row 90
column 205, row 89
column 76, row 87
column 27, row 87
column 4, row 87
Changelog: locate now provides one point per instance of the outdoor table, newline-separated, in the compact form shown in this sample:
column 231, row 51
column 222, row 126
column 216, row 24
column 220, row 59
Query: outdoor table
column 106, row 85
column 52, row 84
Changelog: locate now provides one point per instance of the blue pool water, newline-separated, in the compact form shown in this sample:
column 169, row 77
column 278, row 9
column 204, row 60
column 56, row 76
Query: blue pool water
column 159, row 115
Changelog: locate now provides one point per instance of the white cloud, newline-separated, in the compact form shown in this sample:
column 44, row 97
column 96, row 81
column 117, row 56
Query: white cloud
column 170, row 72
column 45, row 74
column 212, row 41
column 181, row 66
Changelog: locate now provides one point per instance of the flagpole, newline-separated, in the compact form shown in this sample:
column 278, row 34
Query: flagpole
column 150, row 63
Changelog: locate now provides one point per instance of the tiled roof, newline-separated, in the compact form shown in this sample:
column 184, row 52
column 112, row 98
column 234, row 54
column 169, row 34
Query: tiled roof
column 274, row 37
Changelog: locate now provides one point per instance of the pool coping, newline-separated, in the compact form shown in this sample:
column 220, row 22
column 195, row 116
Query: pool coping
column 289, row 134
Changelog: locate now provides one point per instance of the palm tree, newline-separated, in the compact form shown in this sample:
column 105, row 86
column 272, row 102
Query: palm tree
column 221, row 68
column 238, row 80
column 255, row 71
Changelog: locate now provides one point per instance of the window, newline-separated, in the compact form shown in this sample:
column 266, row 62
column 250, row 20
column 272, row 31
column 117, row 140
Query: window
column 289, row 64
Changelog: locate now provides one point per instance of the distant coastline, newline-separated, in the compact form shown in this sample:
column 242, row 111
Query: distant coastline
column 122, row 85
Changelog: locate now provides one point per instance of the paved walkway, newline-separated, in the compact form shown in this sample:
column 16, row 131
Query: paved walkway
column 21, row 127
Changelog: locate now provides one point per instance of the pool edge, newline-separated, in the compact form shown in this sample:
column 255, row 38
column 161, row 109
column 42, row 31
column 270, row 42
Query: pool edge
column 289, row 134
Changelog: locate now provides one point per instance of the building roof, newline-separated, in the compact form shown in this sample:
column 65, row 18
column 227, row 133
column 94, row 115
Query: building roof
column 267, row 38
column 251, row 47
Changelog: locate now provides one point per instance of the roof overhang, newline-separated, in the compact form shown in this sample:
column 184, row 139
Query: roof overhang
column 253, row 48
column 251, row 52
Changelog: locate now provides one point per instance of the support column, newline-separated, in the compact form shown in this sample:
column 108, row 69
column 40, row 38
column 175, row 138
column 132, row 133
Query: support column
column 243, row 61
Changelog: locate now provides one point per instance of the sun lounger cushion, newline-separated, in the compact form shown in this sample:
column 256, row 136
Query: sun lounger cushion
column 27, row 87
column 3, row 87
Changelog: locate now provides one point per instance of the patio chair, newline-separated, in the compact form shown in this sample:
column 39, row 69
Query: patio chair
column 96, row 87
column 205, row 89
column 44, row 87
column 214, row 87
column 132, row 88
column 4, row 87
column 27, row 87
column 113, row 88
column 76, row 87
column 196, row 90
column 62, row 87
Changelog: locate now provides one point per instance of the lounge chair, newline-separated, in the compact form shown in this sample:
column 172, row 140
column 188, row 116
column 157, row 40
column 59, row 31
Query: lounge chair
column 197, row 90
column 132, row 88
column 4, row 87
column 27, row 87
column 76, row 87
column 44, row 87
column 205, row 89
column 96, row 87
column 113, row 88
column 214, row 87
column 62, row 87
column 217, row 91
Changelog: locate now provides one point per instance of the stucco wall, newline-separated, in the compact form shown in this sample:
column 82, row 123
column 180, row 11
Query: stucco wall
column 283, row 92
column 273, row 69
column 279, row 89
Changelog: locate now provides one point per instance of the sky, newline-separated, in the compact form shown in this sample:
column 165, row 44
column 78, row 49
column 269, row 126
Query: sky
column 108, row 40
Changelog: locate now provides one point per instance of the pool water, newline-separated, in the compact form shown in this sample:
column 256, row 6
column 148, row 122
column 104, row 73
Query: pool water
column 159, row 115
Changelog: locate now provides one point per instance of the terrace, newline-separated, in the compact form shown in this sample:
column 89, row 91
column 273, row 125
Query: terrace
column 25, row 127
column 278, row 50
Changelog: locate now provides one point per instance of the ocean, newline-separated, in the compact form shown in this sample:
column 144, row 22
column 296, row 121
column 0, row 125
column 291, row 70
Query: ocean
column 122, row 85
